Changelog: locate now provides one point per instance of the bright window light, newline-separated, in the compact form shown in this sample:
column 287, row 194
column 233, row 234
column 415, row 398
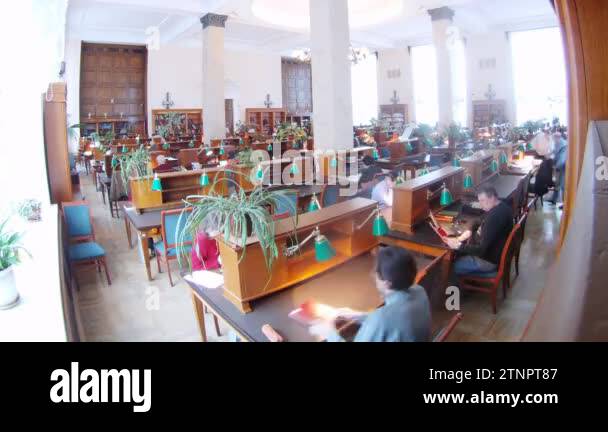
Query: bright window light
column 365, row 90
column 459, row 88
column 424, row 65
column 539, row 72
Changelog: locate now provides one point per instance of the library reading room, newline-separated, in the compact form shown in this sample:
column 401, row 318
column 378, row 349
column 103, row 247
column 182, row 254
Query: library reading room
column 304, row 171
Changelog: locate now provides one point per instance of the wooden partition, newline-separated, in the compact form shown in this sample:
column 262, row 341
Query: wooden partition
column 246, row 276
column 175, row 188
column 414, row 199
column 480, row 166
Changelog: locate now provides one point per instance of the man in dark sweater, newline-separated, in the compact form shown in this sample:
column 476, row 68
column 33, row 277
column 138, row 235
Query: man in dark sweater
column 480, row 254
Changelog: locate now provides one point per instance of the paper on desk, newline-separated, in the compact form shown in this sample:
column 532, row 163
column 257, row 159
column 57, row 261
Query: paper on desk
column 207, row 279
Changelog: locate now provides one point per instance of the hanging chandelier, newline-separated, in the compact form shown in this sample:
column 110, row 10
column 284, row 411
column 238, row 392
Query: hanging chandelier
column 355, row 55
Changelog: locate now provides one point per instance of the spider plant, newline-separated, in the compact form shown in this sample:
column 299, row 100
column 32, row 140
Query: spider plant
column 135, row 164
column 10, row 245
column 453, row 132
column 236, row 218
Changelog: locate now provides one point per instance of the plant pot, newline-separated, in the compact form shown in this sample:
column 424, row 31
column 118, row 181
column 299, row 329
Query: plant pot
column 9, row 296
column 249, row 229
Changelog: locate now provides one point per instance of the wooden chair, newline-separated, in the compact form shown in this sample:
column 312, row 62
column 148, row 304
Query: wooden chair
column 83, row 248
column 168, row 248
column 489, row 283
column 522, row 235
column 445, row 333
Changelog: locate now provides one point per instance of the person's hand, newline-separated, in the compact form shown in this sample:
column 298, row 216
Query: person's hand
column 465, row 236
column 454, row 244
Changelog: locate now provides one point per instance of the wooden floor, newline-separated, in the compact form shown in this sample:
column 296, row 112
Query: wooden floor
column 134, row 310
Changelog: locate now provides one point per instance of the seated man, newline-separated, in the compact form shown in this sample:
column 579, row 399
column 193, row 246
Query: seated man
column 406, row 314
column 368, row 173
column 383, row 191
column 481, row 253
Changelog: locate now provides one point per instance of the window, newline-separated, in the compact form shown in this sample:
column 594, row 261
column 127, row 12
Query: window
column 539, row 71
column 424, row 68
column 365, row 90
column 459, row 83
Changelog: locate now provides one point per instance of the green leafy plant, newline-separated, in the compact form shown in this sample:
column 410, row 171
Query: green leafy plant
column 288, row 131
column 424, row 133
column 533, row 126
column 454, row 134
column 29, row 209
column 10, row 245
column 236, row 218
column 135, row 164
column 245, row 157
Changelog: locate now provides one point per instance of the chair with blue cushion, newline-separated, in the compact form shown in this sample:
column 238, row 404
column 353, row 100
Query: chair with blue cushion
column 330, row 196
column 169, row 248
column 83, row 249
column 288, row 202
column 385, row 153
column 489, row 283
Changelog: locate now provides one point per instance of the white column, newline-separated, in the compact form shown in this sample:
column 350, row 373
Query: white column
column 214, row 109
column 442, row 20
column 331, row 74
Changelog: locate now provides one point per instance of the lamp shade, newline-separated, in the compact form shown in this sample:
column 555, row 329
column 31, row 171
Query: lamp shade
column 269, row 148
column 456, row 162
column 323, row 249
column 504, row 159
column 376, row 154
column 529, row 147
column 222, row 151
column 494, row 166
column 424, row 171
column 380, row 226
column 157, row 186
column 408, row 147
column 334, row 162
column 259, row 174
column 205, row 180
column 294, row 169
column 125, row 149
column 468, row 182
column 314, row 204
column 446, row 197
column 114, row 163
column 191, row 144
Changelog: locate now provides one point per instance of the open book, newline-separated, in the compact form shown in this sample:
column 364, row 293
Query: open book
column 442, row 231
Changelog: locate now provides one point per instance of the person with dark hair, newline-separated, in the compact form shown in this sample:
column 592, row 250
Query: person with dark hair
column 406, row 314
column 480, row 252
column 383, row 191
column 369, row 172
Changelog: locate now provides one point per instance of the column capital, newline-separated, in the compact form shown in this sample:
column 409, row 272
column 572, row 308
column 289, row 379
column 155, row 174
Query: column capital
column 441, row 13
column 214, row 20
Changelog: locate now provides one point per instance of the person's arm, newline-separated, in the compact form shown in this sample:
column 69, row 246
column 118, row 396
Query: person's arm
column 489, row 235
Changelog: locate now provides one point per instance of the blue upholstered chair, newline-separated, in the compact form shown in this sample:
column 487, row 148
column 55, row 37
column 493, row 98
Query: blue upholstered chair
column 330, row 196
column 82, row 247
column 169, row 248
column 385, row 153
column 287, row 203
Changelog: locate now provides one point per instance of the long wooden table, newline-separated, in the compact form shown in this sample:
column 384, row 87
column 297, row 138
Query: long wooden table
column 350, row 285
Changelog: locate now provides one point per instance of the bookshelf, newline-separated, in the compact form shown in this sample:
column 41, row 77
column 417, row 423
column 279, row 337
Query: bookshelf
column 265, row 119
column 487, row 113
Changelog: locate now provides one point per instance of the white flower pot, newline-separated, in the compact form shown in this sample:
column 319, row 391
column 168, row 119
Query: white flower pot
column 9, row 297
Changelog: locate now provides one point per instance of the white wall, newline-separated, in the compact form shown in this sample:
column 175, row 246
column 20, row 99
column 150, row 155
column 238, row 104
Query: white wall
column 249, row 77
column 72, row 78
column 396, row 60
column 484, row 47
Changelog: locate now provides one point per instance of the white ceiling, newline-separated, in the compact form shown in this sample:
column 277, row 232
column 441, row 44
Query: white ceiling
column 126, row 21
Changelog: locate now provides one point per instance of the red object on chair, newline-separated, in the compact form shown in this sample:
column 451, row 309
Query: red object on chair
column 447, row 331
column 205, row 253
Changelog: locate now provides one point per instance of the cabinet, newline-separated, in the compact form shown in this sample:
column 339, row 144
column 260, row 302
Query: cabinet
column 189, row 122
column 113, row 89
column 56, row 143
column 487, row 113
column 266, row 119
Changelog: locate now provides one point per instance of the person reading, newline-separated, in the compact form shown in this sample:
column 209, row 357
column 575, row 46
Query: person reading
column 406, row 314
column 480, row 251
column 369, row 172
column 383, row 191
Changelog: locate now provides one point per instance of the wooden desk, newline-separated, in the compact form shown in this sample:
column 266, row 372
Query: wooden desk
column 247, row 277
column 147, row 225
column 350, row 285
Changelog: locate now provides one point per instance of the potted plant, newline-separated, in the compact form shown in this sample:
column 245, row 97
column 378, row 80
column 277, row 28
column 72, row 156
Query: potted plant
column 135, row 165
column 291, row 132
column 30, row 210
column 10, row 245
column 236, row 218
column 453, row 133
